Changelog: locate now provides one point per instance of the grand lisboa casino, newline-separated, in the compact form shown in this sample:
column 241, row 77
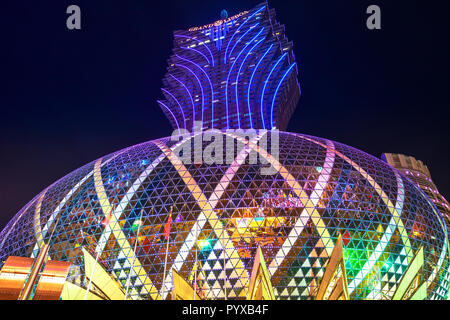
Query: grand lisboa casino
column 329, row 221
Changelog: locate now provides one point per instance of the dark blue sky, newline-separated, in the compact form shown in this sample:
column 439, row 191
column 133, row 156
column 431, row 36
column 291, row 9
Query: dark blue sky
column 70, row 97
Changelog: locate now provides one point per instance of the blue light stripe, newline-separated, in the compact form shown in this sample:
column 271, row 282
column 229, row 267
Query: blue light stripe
column 239, row 40
column 179, row 105
column 210, row 53
column 228, row 44
column 190, row 96
column 200, row 85
column 276, row 91
column 265, row 85
column 210, row 84
column 250, row 84
column 229, row 73
column 167, row 108
column 198, row 51
column 237, row 77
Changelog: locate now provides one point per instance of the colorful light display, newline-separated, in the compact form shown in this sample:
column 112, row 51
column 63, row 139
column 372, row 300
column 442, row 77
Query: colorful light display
column 377, row 211
column 135, row 218
column 239, row 73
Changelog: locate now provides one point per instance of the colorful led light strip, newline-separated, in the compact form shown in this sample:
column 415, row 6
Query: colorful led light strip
column 199, row 84
column 178, row 103
column 384, row 241
column 231, row 69
column 210, row 53
column 197, row 51
column 276, row 91
column 168, row 109
column 238, row 74
column 67, row 198
column 264, row 88
column 37, row 220
column 190, row 97
column 250, row 84
column 207, row 214
column 234, row 33
column 210, row 84
column 241, row 37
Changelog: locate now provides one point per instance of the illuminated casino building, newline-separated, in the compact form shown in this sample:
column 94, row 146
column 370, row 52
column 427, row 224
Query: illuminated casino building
column 418, row 173
column 330, row 222
column 235, row 73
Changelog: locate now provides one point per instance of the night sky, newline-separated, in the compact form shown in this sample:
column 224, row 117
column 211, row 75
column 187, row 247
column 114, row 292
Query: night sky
column 69, row 97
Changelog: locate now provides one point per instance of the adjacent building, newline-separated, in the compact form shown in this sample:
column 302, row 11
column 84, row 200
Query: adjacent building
column 331, row 222
column 418, row 172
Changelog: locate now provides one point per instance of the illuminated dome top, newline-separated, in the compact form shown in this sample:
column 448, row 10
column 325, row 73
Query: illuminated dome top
column 321, row 189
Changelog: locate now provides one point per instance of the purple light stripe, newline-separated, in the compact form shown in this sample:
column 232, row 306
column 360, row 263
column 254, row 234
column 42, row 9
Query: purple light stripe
column 239, row 40
column 228, row 44
column 228, row 77
column 200, row 85
column 265, row 85
column 167, row 108
column 199, row 52
column 276, row 91
column 210, row 53
column 210, row 84
column 176, row 100
column 190, row 96
column 238, row 74
column 250, row 84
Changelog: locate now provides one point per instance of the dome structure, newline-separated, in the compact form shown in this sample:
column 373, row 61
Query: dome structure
column 222, row 213
column 313, row 214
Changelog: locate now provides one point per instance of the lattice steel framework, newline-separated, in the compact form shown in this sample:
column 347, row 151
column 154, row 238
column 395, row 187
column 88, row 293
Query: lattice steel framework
column 322, row 189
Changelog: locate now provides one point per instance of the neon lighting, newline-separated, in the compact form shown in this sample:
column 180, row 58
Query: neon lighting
column 114, row 227
column 61, row 204
column 330, row 191
column 226, row 49
column 173, row 97
column 237, row 79
column 210, row 84
column 250, row 84
column 382, row 244
column 199, row 52
column 265, row 85
column 239, row 40
column 204, row 244
column 276, row 91
column 311, row 213
column 167, row 108
column 218, row 23
column 190, row 96
column 199, row 83
column 357, row 258
column 210, row 53
column 229, row 73
column 207, row 214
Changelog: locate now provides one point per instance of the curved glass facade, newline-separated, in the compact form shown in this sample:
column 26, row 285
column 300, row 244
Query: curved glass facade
column 222, row 213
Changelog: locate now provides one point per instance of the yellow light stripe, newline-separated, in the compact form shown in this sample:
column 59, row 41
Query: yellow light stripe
column 37, row 221
column 120, row 237
column 67, row 197
column 409, row 275
column 208, row 212
column 298, row 190
column 393, row 211
column 380, row 192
